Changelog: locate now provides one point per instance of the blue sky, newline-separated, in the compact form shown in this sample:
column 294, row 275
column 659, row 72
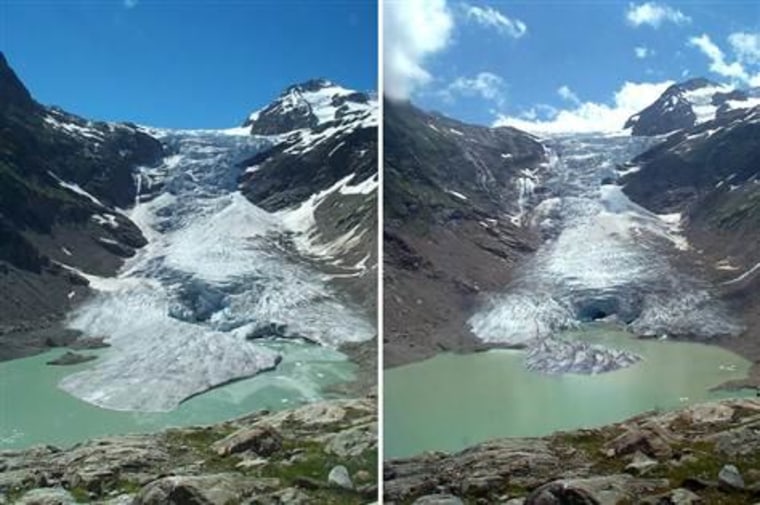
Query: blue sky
column 184, row 64
column 485, row 61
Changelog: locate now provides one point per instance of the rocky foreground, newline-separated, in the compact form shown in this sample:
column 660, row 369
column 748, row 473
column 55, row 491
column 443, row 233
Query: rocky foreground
column 704, row 454
column 320, row 453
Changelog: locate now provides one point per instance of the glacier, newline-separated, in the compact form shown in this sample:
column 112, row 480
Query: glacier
column 217, row 271
column 602, row 257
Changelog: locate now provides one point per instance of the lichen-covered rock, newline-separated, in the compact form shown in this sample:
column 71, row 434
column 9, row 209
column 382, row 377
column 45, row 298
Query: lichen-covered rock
column 654, row 458
column 221, row 463
column 261, row 440
column 47, row 496
column 353, row 441
column 730, row 479
column 438, row 499
column 219, row 489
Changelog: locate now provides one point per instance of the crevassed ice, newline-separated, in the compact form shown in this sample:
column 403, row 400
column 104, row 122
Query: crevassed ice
column 213, row 271
column 602, row 256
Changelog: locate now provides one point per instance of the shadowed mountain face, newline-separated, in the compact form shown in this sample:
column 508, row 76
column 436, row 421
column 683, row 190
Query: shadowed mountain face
column 454, row 197
column 62, row 181
column 710, row 174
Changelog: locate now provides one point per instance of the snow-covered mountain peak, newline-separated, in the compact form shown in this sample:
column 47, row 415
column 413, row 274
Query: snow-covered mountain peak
column 688, row 104
column 309, row 105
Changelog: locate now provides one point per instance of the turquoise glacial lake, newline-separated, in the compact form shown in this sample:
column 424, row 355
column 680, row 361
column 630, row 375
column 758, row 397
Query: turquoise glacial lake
column 453, row 401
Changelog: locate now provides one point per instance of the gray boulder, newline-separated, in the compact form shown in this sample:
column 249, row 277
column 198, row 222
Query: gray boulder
column 339, row 476
column 729, row 478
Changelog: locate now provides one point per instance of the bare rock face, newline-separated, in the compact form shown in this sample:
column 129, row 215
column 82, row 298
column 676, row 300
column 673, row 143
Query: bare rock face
column 653, row 441
column 261, row 440
column 701, row 454
column 218, row 489
column 452, row 229
column 62, row 180
column 605, row 490
column 47, row 496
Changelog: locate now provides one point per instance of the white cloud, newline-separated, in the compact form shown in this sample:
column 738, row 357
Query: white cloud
column 486, row 85
column 492, row 18
column 654, row 14
column 129, row 4
column 746, row 46
column 413, row 31
column 642, row 52
column 718, row 63
column 567, row 94
column 592, row 116
column 537, row 110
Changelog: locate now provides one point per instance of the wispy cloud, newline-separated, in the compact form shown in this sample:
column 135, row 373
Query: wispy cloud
column 735, row 70
column 642, row 52
column 412, row 32
column 567, row 94
column 493, row 18
column 654, row 14
column 130, row 4
column 589, row 116
column 485, row 85
column 746, row 46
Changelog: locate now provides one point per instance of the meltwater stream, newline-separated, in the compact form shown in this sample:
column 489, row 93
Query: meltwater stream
column 215, row 271
column 603, row 258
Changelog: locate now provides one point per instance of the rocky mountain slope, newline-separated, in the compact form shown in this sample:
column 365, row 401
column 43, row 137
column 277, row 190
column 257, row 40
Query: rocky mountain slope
column 320, row 453
column 688, row 104
column 705, row 453
column 454, row 196
column 709, row 175
column 325, row 160
column 63, row 181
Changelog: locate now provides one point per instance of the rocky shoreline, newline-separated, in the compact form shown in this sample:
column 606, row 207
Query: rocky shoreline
column 706, row 453
column 323, row 452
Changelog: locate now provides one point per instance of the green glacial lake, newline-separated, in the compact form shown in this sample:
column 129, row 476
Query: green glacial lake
column 453, row 401
column 33, row 410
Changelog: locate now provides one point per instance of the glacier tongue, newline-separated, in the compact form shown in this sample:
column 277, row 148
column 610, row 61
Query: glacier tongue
column 603, row 257
column 214, row 272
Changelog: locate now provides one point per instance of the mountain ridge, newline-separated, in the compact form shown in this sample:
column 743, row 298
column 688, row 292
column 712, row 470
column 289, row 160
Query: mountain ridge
column 687, row 104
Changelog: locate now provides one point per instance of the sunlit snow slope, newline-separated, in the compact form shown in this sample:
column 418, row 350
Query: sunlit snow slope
column 217, row 269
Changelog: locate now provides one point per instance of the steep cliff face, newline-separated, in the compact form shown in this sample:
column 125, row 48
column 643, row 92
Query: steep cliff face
column 454, row 195
column 63, row 180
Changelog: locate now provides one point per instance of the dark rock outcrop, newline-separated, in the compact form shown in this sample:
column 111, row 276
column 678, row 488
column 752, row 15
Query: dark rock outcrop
column 62, row 180
column 671, row 111
column 451, row 232
column 71, row 358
